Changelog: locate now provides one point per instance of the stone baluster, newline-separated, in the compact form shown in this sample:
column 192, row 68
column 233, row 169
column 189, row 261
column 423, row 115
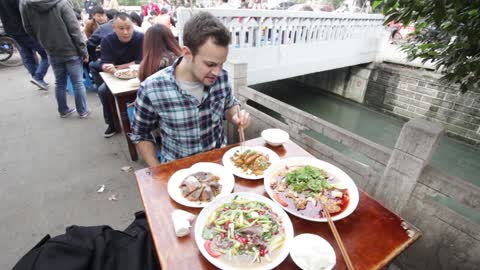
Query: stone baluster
column 235, row 27
column 413, row 151
column 267, row 26
column 252, row 26
column 282, row 28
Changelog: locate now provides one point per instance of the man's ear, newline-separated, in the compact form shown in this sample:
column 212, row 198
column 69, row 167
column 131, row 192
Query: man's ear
column 187, row 53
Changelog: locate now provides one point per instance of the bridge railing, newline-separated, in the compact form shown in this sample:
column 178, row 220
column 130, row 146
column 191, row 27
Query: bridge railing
column 260, row 28
column 279, row 44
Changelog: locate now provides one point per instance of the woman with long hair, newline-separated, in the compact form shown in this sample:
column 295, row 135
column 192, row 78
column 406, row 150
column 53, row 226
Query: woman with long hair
column 160, row 49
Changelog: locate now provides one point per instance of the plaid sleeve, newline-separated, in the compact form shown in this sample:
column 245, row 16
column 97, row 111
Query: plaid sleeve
column 145, row 118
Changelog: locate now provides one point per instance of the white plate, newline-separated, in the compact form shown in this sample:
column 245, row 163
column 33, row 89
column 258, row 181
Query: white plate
column 312, row 252
column 205, row 213
column 226, row 180
column 227, row 162
column 126, row 74
column 329, row 168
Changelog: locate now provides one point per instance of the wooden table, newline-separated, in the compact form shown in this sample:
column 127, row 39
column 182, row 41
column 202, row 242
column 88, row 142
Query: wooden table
column 121, row 94
column 373, row 235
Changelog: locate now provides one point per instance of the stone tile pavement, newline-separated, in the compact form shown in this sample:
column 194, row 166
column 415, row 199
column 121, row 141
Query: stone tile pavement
column 50, row 168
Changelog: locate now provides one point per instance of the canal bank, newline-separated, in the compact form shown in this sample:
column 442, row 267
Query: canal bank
column 452, row 157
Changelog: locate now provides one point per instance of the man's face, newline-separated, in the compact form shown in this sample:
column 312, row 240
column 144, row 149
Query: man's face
column 100, row 18
column 207, row 64
column 123, row 29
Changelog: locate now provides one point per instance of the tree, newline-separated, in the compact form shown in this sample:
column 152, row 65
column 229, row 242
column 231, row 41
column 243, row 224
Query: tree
column 335, row 3
column 447, row 33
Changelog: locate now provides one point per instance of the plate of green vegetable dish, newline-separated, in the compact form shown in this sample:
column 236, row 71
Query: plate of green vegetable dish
column 244, row 231
column 300, row 185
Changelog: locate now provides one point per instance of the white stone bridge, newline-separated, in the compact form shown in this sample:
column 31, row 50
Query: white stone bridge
column 281, row 44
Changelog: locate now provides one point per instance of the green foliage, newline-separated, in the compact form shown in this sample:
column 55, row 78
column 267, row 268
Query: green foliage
column 335, row 3
column 132, row 2
column 447, row 33
column 306, row 178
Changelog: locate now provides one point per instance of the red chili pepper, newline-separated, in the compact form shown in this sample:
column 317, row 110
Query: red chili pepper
column 262, row 252
column 279, row 199
column 222, row 235
column 244, row 240
column 225, row 225
column 226, row 209
column 210, row 251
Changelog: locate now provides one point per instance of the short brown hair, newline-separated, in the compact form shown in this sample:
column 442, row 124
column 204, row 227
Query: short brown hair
column 201, row 27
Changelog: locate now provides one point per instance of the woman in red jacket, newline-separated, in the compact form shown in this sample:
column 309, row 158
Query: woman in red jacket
column 150, row 6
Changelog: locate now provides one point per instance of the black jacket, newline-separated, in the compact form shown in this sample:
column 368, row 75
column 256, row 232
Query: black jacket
column 53, row 23
column 10, row 16
column 95, row 248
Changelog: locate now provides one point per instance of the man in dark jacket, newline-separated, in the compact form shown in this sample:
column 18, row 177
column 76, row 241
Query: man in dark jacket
column 54, row 25
column 119, row 50
column 12, row 23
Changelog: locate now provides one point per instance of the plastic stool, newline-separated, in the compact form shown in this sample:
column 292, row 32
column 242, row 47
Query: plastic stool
column 87, row 82
column 130, row 112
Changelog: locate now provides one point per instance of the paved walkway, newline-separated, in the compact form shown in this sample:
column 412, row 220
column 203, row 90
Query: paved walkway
column 50, row 168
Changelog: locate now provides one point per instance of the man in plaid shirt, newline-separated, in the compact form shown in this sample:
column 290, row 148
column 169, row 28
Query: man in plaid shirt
column 189, row 100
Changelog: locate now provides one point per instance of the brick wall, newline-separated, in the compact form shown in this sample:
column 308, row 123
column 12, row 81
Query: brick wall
column 410, row 93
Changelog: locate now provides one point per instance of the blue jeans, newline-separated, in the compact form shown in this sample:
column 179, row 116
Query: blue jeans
column 72, row 66
column 103, row 93
column 28, row 47
column 95, row 70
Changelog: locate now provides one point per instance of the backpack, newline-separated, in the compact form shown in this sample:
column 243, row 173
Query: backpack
column 95, row 248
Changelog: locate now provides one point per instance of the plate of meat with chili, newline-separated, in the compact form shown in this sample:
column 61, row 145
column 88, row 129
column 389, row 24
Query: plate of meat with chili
column 301, row 185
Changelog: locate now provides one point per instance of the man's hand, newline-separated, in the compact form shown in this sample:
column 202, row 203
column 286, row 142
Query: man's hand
column 109, row 68
column 241, row 118
column 85, row 58
column 127, row 65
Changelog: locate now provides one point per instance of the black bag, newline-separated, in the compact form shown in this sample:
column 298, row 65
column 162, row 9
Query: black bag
column 95, row 248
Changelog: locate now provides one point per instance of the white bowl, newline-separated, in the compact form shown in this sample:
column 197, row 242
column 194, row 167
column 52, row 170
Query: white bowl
column 135, row 67
column 275, row 136
column 310, row 252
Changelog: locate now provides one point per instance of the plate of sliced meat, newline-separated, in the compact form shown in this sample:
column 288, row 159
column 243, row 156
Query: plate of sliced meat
column 200, row 184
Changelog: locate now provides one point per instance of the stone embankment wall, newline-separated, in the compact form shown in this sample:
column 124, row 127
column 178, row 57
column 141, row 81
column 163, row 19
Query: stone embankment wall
column 410, row 93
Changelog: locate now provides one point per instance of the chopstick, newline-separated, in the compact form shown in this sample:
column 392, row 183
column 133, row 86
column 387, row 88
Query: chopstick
column 337, row 238
column 241, row 133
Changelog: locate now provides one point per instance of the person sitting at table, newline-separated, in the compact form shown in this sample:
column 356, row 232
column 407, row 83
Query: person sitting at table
column 189, row 100
column 160, row 49
column 98, row 19
column 119, row 50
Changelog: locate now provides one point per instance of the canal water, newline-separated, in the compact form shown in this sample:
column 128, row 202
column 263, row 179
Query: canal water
column 451, row 156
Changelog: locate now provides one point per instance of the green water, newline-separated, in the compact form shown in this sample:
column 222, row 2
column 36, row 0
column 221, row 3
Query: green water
column 451, row 156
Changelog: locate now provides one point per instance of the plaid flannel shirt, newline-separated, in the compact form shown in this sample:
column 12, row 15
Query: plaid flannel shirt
column 187, row 126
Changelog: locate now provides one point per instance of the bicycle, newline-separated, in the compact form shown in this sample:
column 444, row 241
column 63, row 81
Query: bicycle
column 9, row 53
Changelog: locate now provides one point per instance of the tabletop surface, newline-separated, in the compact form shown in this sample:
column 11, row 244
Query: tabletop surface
column 118, row 86
column 372, row 235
